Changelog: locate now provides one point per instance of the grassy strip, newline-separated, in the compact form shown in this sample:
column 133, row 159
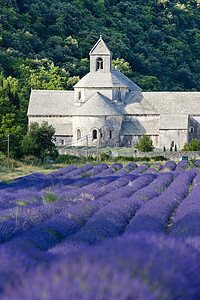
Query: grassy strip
column 30, row 165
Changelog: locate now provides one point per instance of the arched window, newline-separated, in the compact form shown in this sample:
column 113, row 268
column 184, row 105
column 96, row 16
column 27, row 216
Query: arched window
column 191, row 129
column 99, row 63
column 79, row 95
column 78, row 134
column 62, row 142
column 94, row 134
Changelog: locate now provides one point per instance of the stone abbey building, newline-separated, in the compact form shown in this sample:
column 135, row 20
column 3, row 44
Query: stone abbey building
column 109, row 108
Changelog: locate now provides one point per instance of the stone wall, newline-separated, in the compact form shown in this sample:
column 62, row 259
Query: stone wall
column 171, row 155
column 77, row 152
column 175, row 155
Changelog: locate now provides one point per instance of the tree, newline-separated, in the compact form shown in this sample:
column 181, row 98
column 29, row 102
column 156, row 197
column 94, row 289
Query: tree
column 123, row 66
column 193, row 146
column 39, row 141
column 150, row 83
column 145, row 144
column 9, row 125
column 185, row 147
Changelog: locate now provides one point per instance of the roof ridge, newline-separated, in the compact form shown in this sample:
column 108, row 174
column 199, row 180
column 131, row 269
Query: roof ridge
column 51, row 91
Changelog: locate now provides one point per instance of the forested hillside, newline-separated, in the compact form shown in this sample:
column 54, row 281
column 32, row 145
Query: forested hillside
column 44, row 44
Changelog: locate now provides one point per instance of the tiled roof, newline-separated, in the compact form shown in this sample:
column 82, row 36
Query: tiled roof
column 51, row 102
column 97, row 105
column 163, row 103
column 101, row 79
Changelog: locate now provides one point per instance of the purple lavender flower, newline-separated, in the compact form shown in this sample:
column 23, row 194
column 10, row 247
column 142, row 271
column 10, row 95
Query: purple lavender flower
column 155, row 188
column 157, row 166
column 183, row 164
column 132, row 165
column 96, row 170
column 120, row 173
column 152, row 170
column 116, row 269
column 141, row 169
column 169, row 166
column 117, row 166
column 19, row 219
column 186, row 221
column 79, row 171
column 62, row 171
column 106, row 172
column 197, row 162
column 81, row 281
column 154, row 215
column 194, row 241
column 101, row 182
column 89, row 210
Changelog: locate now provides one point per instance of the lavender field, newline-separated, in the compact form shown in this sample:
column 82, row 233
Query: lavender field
column 119, row 232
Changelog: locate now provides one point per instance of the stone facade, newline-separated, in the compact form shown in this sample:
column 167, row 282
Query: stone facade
column 108, row 108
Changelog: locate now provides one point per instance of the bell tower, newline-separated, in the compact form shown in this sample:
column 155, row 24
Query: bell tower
column 100, row 57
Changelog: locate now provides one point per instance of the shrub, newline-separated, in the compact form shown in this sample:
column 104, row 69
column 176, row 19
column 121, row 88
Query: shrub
column 193, row 146
column 159, row 158
column 145, row 144
column 104, row 156
column 49, row 197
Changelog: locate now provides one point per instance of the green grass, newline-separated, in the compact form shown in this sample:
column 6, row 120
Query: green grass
column 49, row 197
column 30, row 165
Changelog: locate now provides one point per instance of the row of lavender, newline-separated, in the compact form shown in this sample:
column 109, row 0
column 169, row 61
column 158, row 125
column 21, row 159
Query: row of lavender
column 93, row 204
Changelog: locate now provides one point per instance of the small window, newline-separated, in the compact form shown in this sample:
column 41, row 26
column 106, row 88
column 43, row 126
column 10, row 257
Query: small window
column 78, row 134
column 191, row 129
column 94, row 134
column 172, row 143
column 119, row 94
column 79, row 95
column 111, row 134
column 62, row 142
column 99, row 64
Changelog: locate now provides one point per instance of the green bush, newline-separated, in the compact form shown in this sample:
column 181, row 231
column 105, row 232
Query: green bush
column 145, row 144
column 104, row 156
column 131, row 158
column 159, row 158
column 49, row 197
column 193, row 146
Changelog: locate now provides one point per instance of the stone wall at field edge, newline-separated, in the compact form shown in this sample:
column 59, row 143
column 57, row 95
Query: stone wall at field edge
column 174, row 155
column 77, row 152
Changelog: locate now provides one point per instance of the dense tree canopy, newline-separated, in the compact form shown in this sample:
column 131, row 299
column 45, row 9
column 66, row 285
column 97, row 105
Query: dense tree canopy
column 194, row 145
column 39, row 141
column 45, row 44
column 145, row 144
